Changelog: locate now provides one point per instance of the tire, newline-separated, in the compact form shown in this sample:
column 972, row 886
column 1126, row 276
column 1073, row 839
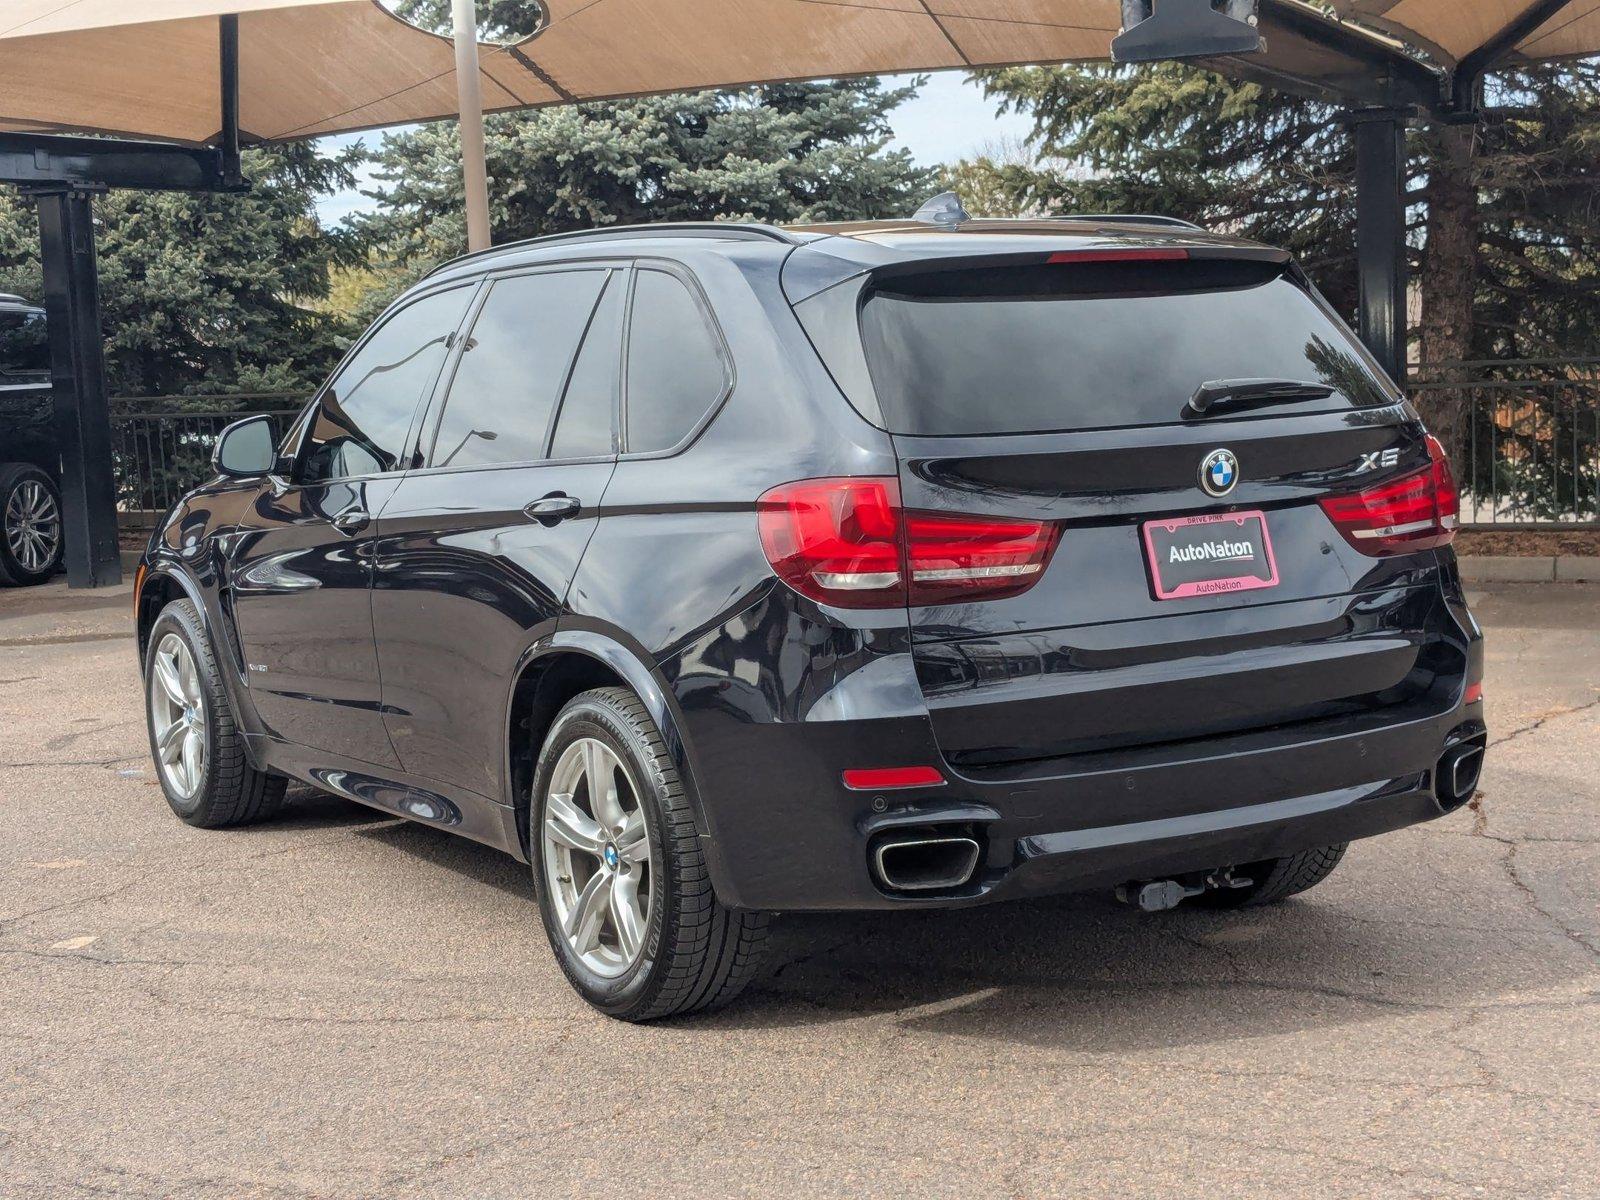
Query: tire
column 31, row 526
column 1279, row 878
column 226, row 789
column 694, row 953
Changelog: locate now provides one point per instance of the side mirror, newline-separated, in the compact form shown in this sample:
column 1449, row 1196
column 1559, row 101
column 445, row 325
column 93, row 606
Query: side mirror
column 246, row 448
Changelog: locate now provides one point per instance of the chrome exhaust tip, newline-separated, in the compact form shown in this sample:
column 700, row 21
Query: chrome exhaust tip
column 1455, row 779
column 924, row 863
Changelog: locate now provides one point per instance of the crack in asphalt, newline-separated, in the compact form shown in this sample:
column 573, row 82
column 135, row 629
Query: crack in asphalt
column 1543, row 719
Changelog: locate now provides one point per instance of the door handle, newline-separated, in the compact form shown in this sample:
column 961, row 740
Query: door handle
column 352, row 520
column 554, row 508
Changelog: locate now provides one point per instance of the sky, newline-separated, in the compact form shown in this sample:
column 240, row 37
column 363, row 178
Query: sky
column 948, row 120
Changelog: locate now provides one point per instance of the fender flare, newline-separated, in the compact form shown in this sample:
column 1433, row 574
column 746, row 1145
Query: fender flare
column 632, row 667
column 222, row 647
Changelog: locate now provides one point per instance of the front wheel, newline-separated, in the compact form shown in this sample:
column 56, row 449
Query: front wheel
column 620, row 871
column 199, row 753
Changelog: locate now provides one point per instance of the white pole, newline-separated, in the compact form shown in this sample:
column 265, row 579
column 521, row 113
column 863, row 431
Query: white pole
column 470, row 92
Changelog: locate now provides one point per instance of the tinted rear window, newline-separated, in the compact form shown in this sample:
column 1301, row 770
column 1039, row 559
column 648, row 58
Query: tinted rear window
column 1094, row 346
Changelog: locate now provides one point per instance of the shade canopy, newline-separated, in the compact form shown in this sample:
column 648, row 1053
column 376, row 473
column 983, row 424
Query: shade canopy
column 311, row 67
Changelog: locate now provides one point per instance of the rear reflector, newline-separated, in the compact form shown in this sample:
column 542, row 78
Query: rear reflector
column 849, row 543
column 1147, row 254
column 1415, row 512
column 881, row 779
column 1474, row 693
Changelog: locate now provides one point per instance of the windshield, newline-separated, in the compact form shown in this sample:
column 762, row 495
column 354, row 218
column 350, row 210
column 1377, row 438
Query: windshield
column 1092, row 346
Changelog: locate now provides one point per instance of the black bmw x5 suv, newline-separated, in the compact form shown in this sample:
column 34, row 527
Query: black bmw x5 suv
column 716, row 570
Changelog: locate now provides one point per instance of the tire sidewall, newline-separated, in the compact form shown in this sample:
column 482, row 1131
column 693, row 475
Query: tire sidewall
column 9, row 566
column 179, row 618
column 636, row 986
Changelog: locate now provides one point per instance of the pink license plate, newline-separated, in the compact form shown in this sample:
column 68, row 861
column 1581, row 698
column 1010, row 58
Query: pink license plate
column 1202, row 556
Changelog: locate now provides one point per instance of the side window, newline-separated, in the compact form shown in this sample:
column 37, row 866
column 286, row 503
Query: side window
column 675, row 366
column 513, row 368
column 24, row 346
column 360, row 424
column 583, row 429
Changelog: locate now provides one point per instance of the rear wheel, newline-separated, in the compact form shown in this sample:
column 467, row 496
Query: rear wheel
column 30, row 525
column 620, row 871
column 198, row 751
column 1278, row 878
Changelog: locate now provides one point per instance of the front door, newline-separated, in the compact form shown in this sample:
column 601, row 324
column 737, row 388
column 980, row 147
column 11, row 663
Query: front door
column 478, row 548
column 300, row 565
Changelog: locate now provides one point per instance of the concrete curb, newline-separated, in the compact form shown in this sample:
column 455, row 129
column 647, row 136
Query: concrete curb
column 1506, row 568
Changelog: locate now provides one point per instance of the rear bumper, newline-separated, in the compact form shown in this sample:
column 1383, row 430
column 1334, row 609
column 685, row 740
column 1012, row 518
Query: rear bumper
column 783, row 833
column 795, row 839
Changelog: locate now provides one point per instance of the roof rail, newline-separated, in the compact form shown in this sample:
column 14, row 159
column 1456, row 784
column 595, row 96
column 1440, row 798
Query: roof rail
column 13, row 298
column 1129, row 219
column 752, row 231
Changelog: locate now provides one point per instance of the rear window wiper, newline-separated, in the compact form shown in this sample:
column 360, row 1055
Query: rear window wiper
column 1229, row 392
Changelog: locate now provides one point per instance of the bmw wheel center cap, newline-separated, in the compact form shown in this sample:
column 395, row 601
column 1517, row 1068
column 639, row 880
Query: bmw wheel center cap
column 1219, row 471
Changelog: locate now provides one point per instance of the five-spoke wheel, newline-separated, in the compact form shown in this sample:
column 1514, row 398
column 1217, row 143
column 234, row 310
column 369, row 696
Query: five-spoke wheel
column 178, row 716
column 620, row 868
column 205, row 769
column 597, row 857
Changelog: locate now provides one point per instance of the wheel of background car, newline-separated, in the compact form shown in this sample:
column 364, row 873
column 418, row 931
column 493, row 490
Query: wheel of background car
column 199, row 754
column 620, row 871
column 30, row 525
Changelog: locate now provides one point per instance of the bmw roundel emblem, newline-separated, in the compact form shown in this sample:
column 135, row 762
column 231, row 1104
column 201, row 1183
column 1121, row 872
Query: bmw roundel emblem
column 611, row 856
column 1219, row 471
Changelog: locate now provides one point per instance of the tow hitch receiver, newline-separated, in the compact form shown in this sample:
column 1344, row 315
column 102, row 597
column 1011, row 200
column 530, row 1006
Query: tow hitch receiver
column 1158, row 895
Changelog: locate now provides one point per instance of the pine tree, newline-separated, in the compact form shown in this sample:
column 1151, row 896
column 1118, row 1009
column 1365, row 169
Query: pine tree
column 784, row 153
column 209, row 293
column 1504, row 217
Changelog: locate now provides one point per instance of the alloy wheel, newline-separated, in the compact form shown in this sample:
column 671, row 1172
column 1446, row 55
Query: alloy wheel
column 33, row 525
column 178, row 717
column 597, row 857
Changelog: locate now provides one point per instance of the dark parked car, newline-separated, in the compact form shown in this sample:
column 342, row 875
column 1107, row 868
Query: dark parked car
column 716, row 570
column 30, row 463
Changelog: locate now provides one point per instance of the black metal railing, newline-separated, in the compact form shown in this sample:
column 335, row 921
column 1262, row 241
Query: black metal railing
column 161, row 446
column 1529, row 451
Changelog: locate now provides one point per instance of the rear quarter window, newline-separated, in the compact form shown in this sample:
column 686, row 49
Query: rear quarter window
column 1061, row 347
column 676, row 370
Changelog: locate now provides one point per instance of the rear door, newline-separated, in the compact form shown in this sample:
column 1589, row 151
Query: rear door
column 1196, row 587
column 478, row 548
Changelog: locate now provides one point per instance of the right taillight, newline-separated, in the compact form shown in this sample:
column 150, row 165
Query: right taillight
column 1415, row 512
column 849, row 543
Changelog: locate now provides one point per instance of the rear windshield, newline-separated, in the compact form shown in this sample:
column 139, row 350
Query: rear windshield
column 1091, row 346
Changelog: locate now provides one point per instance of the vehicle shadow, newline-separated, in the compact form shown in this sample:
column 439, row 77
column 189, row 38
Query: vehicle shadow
column 1082, row 973
column 310, row 808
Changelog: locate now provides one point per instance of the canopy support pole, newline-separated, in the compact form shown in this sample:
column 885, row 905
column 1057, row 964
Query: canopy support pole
column 77, row 368
column 469, row 89
column 228, row 139
column 1381, row 235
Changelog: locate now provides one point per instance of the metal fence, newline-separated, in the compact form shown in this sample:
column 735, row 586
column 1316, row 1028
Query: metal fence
column 1529, row 453
column 161, row 446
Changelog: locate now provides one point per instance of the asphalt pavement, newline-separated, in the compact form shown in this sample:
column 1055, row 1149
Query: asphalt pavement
column 338, row 1004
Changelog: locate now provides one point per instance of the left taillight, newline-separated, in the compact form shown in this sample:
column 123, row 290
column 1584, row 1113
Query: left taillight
column 848, row 542
column 1418, row 511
